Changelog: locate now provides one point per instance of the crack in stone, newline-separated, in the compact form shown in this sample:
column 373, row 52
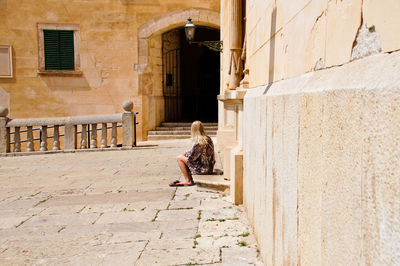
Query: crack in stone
column 97, row 218
column 81, row 210
column 140, row 255
column 4, row 250
column 43, row 201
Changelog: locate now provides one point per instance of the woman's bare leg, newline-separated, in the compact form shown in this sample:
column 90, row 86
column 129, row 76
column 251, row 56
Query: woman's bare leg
column 182, row 162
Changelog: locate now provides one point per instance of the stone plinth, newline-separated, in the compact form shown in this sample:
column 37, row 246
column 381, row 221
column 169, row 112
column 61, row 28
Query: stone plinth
column 321, row 165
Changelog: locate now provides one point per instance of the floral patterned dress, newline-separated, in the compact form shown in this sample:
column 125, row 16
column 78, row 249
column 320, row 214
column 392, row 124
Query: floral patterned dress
column 201, row 158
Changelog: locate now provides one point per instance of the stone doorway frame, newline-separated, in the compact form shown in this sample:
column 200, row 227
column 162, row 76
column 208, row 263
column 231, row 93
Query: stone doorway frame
column 202, row 17
column 169, row 21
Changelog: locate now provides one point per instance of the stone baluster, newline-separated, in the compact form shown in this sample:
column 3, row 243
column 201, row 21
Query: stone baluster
column 17, row 140
column 56, row 139
column 93, row 137
column 4, row 131
column 43, row 140
column 30, row 144
column 84, row 137
column 113, row 135
column 104, row 136
column 127, row 124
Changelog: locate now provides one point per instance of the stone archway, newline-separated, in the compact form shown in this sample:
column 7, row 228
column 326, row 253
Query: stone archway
column 148, row 67
column 202, row 17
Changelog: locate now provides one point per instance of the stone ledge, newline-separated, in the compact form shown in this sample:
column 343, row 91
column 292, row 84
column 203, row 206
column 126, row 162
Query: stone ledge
column 215, row 181
column 72, row 73
column 378, row 72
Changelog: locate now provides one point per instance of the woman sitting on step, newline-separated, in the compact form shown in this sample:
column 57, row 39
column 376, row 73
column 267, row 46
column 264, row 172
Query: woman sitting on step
column 199, row 160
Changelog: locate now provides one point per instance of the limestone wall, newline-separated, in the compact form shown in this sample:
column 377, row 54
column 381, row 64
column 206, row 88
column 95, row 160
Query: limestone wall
column 321, row 145
column 289, row 38
column 109, row 51
column 321, row 165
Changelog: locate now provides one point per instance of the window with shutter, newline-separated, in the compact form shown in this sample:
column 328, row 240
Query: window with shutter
column 59, row 49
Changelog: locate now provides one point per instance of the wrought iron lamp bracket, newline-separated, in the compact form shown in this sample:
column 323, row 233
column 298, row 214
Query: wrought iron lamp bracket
column 212, row 45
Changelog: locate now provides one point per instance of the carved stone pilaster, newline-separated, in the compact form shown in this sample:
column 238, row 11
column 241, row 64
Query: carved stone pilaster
column 235, row 42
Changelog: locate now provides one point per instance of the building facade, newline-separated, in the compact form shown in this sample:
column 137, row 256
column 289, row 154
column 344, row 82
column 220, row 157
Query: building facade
column 117, row 50
column 309, row 127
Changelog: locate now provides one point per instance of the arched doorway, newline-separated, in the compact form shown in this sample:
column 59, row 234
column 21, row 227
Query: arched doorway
column 149, row 67
column 191, row 76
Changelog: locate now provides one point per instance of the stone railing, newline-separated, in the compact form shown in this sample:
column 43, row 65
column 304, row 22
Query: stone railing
column 36, row 129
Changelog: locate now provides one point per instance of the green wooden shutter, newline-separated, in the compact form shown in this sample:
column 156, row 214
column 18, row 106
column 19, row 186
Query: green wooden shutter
column 59, row 49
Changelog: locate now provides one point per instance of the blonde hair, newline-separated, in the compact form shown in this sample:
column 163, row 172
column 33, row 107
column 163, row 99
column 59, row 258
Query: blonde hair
column 198, row 134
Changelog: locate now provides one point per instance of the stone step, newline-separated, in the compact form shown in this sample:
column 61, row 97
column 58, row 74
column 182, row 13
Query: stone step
column 185, row 124
column 166, row 137
column 178, row 132
column 184, row 128
column 215, row 181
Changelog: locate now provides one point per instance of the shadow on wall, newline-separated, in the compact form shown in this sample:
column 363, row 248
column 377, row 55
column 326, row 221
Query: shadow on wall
column 271, row 67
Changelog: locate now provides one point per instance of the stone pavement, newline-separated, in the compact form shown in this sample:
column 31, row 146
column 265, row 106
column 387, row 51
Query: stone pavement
column 115, row 208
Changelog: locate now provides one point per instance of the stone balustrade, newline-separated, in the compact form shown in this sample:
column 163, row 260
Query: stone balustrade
column 11, row 131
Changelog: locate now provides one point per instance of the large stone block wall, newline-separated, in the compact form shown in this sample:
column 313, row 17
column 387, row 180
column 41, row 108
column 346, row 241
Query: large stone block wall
column 109, row 49
column 288, row 38
column 321, row 165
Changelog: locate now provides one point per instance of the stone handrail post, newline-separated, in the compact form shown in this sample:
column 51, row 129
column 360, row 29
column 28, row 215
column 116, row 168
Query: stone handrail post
column 4, row 131
column 127, row 124
column 70, row 137
column 70, row 132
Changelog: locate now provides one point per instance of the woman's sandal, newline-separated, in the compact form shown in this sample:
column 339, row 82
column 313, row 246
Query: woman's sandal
column 176, row 184
column 173, row 184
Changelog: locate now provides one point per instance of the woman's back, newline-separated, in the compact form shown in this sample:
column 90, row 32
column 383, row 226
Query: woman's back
column 201, row 158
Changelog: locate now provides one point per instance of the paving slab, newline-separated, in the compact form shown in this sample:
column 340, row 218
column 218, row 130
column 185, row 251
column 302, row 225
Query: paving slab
column 116, row 208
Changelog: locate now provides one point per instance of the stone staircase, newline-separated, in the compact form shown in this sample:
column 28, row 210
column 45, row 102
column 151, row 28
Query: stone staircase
column 178, row 130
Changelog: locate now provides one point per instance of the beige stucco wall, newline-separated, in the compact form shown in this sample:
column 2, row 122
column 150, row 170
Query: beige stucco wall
column 321, row 157
column 109, row 49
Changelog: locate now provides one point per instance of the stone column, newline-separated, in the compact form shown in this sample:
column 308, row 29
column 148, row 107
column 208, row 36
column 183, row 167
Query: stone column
column 235, row 43
column 127, row 125
column 4, row 131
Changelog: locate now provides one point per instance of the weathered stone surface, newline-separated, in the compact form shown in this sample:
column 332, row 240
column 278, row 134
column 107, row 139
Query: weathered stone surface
column 177, row 215
column 101, row 207
column 160, row 252
column 220, row 228
column 239, row 255
column 184, row 204
column 126, row 217
column 312, row 192
column 377, row 14
column 366, row 43
column 3, row 111
column 220, row 214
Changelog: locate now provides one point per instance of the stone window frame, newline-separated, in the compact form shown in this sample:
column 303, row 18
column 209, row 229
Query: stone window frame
column 10, row 73
column 41, row 59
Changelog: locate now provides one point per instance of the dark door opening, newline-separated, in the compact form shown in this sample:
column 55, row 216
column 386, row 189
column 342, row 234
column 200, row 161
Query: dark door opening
column 191, row 77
